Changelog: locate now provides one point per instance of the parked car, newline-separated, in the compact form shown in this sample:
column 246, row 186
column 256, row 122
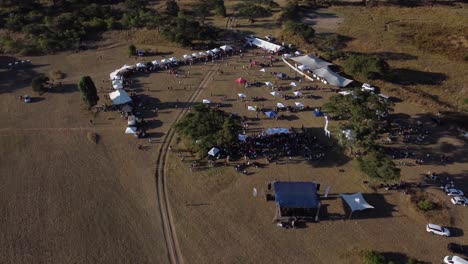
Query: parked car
column 456, row 248
column 459, row 200
column 454, row 192
column 455, row 260
column 438, row 230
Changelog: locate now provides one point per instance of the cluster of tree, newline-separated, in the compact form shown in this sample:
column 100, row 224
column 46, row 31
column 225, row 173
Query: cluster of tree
column 366, row 67
column 65, row 24
column 253, row 9
column 374, row 257
column 206, row 127
column 364, row 114
column 292, row 25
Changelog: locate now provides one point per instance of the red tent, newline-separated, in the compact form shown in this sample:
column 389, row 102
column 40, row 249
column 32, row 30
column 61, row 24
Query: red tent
column 254, row 63
column 241, row 81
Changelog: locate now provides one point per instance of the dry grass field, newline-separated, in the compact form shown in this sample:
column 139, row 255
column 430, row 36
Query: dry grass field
column 65, row 199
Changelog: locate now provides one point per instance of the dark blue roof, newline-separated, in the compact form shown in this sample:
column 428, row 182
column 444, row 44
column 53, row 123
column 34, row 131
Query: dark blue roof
column 296, row 194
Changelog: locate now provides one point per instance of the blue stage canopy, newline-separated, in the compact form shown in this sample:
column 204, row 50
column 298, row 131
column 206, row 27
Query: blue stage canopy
column 296, row 194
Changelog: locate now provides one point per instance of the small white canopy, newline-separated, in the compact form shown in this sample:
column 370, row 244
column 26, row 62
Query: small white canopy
column 119, row 97
column 297, row 53
column 216, row 50
column 241, row 95
column 299, row 104
column 187, row 57
column 251, row 108
column 195, row 55
column 116, row 81
column 263, row 70
column 165, row 61
column 303, row 67
column 297, row 93
column 269, row 84
column 287, row 55
column 131, row 121
column 206, row 101
column 141, row 65
column 130, row 130
column 356, row 202
column 173, row 59
column 209, row 52
column 293, row 84
column 117, row 86
column 275, row 93
column 155, row 62
column 213, row 151
column 202, row 54
column 226, row 48
column 280, row 105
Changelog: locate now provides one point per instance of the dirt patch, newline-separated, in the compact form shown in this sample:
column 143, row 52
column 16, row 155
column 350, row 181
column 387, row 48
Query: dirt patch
column 323, row 20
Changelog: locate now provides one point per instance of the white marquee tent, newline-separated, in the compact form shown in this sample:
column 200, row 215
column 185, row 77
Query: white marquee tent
column 119, row 97
column 331, row 77
column 356, row 202
column 263, row 44
column 226, row 48
column 311, row 61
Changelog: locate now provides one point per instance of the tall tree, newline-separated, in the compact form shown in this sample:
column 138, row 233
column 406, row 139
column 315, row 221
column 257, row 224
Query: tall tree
column 88, row 91
column 172, row 8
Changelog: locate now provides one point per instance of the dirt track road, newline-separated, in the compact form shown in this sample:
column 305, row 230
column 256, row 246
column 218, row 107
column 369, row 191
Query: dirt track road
column 170, row 237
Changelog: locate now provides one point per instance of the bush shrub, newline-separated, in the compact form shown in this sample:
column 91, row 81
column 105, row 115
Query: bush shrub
column 132, row 50
column 88, row 91
column 299, row 29
column 38, row 83
column 425, row 205
column 366, row 67
column 373, row 257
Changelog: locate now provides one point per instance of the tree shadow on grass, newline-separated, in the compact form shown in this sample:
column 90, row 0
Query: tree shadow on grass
column 397, row 257
column 334, row 153
column 413, row 77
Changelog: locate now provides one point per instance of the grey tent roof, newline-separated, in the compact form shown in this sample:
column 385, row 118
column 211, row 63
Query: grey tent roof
column 331, row 77
column 311, row 61
column 356, row 202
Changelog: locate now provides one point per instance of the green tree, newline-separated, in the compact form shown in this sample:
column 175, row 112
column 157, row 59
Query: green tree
column 132, row 50
column 366, row 67
column 38, row 83
column 378, row 166
column 425, row 205
column 373, row 257
column 299, row 29
column 172, row 8
column 88, row 91
column 250, row 11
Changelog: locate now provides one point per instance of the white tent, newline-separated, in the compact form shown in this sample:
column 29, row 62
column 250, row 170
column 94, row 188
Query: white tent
column 131, row 120
column 209, row 52
column 263, row 70
column 117, row 86
column 155, row 62
column 311, row 62
column 299, row 104
column 165, row 61
column 202, row 54
column 119, row 97
column 141, row 65
column 287, row 55
column 297, row 93
column 356, row 202
column 206, row 101
column 280, row 105
column 130, row 130
column 213, row 151
column 114, row 74
column 173, row 59
column 293, row 84
column 241, row 95
column 187, row 57
column 226, row 48
column 275, row 93
column 195, row 55
column 216, row 50
column 268, row 84
column 251, row 108
column 302, row 67
column 263, row 44
column 331, row 77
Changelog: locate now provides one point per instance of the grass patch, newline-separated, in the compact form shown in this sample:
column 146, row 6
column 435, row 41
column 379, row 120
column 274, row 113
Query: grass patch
column 93, row 137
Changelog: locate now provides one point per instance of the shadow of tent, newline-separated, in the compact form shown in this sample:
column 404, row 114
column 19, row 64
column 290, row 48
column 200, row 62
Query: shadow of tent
column 381, row 209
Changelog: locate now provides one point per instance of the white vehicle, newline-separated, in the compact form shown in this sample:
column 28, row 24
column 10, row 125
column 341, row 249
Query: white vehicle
column 438, row 230
column 459, row 200
column 455, row 260
column 454, row 192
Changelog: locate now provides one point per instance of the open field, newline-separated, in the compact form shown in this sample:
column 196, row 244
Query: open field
column 68, row 200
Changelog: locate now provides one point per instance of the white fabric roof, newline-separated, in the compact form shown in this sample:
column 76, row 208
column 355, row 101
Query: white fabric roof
column 213, row 151
column 226, row 47
column 356, row 202
column 303, row 67
column 130, row 130
column 264, row 44
column 311, row 61
column 119, row 97
column 331, row 77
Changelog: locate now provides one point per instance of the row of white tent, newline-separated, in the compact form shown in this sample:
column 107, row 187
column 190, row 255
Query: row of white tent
column 172, row 60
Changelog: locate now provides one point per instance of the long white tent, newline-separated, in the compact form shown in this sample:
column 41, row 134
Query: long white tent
column 312, row 62
column 263, row 44
column 331, row 77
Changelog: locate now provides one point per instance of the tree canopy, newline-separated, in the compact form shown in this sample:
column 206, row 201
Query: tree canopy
column 38, row 82
column 378, row 166
column 206, row 127
column 88, row 91
column 365, row 67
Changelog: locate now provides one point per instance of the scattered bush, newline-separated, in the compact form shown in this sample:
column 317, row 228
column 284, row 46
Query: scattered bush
column 366, row 67
column 38, row 84
column 93, row 137
column 373, row 257
column 56, row 75
column 299, row 29
column 251, row 11
column 132, row 50
column 425, row 205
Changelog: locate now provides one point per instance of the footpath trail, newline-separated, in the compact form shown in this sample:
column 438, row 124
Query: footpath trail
column 172, row 245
